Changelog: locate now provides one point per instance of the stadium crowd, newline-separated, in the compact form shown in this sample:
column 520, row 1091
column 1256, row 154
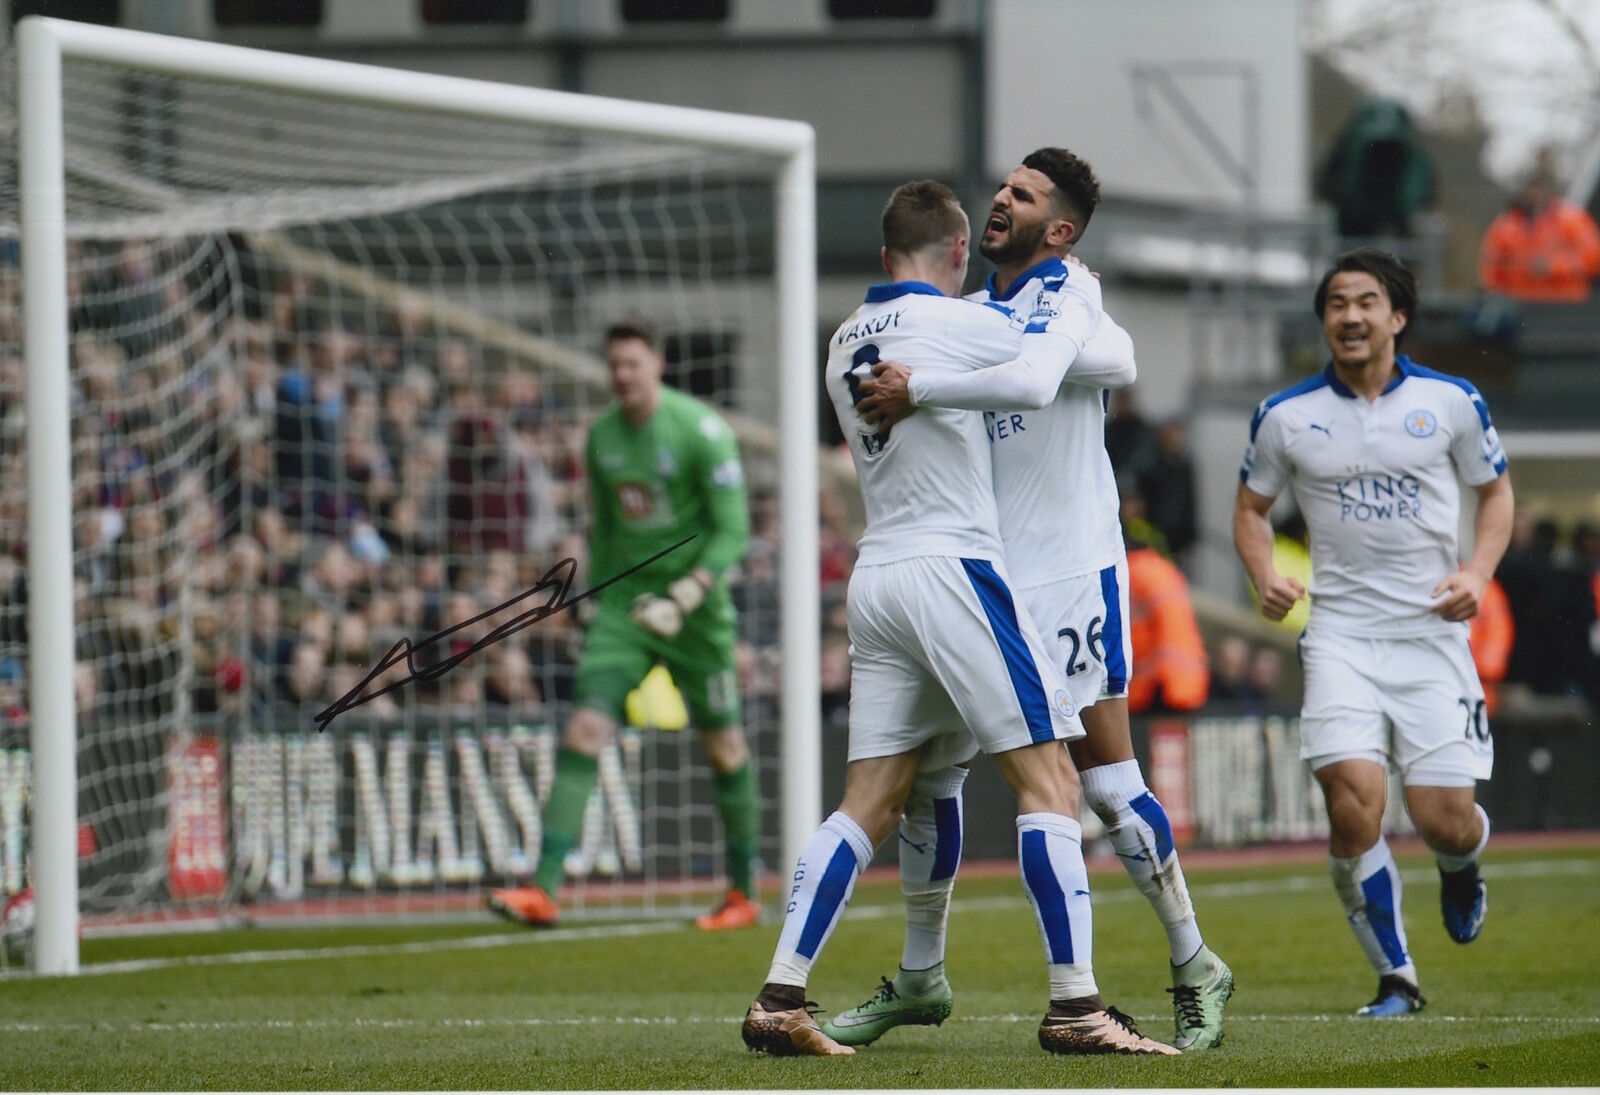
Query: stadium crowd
column 291, row 514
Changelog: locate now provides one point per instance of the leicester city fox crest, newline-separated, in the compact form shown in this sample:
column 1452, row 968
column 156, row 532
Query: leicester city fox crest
column 1421, row 423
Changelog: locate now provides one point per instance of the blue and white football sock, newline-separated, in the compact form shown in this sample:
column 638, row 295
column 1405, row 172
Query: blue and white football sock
column 1050, row 848
column 930, row 852
column 823, row 880
column 1450, row 863
column 1137, row 826
column 1369, row 886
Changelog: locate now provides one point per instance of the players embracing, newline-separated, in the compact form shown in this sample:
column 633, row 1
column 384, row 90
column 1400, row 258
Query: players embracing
column 1058, row 507
column 945, row 658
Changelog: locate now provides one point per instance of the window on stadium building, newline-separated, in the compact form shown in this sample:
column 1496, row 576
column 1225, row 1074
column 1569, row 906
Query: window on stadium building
column 674, row 11
column 881, row 9
column 267, row 13
column 105, row 13
column 504, row 13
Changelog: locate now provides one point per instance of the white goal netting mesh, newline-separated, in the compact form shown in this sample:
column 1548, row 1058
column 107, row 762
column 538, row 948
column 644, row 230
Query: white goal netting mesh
column 331, row 369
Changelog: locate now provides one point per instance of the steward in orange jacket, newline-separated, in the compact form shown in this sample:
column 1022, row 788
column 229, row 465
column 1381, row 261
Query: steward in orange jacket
column 1491, row 638
column 1543, row 249
column 1169, row 660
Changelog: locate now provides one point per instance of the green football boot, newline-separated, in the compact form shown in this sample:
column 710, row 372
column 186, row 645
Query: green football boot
column 1200, row 991
column 893, row 1005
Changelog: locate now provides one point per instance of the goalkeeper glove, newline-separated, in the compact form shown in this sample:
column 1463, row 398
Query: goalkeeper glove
column 690, row 591
column 660, row 616
column 663, row 616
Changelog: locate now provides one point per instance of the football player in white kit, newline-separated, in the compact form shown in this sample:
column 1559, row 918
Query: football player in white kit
column 944, row 660
column 1374, row 448
column 1058, row 506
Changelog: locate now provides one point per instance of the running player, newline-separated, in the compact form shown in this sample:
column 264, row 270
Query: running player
column 1058, row 508
column 944, row 660
column 1374, row 448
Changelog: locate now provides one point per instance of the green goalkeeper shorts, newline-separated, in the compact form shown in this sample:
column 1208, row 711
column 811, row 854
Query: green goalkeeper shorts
column 617, row 653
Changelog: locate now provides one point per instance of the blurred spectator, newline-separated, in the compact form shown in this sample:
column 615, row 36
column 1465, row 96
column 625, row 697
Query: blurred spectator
column 308, row 407
column 755, row 595
column 269, row 645
column 1553, row 612
column 1130, row 440
column 1135, row 524
column 303, row 683
column 1586, row 553
column 1543, row 248
column 1168, row 655
column 510, row 682
column 1266, row 672
column 1377, row 175
column 835, row 681
column 1230, row 670
column 488, row 502
column 1491, row 638
column 1169, row 491
column 836, row 547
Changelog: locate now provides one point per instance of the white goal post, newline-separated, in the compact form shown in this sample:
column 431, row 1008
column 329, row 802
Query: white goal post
column 42, row 46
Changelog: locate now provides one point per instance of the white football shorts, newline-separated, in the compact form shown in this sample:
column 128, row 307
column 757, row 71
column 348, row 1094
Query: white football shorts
column 942, row 656
column 1416, row 703
column 1084, row 622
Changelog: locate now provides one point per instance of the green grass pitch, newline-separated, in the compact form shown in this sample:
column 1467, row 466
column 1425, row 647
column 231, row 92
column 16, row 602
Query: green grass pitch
column 657, row 1005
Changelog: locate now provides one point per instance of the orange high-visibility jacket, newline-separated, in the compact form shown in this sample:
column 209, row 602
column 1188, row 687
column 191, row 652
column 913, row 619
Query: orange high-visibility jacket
column 1169, row 659
column 1564, row 235
column 1491, row 637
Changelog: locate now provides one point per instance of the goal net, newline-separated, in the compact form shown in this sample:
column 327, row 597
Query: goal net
column 331, row 362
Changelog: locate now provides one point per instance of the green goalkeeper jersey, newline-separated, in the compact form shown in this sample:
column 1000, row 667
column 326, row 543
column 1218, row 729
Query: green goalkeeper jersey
column 675, row 476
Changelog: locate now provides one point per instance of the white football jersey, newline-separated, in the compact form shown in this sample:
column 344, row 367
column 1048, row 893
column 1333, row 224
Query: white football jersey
column 927, row 486
column 1378, row 486
column 1053, row 483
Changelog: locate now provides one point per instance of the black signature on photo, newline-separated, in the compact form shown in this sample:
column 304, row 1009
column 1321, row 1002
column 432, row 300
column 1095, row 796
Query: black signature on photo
column 556, row 582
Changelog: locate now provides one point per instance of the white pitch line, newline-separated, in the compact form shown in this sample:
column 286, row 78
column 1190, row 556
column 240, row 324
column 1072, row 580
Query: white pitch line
column 211, row 1026
column 1209, row 891
column 431, row 946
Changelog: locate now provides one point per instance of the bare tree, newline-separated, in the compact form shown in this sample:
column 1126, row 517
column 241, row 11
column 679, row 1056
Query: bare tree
column 1530, row 68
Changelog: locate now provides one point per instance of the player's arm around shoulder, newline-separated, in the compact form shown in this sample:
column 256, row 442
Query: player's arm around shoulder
column 1106, row 360
column 989, row 372
column 968, row 334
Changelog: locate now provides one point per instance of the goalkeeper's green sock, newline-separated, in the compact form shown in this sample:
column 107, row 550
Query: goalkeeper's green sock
column 563, row 815
column 740, row 808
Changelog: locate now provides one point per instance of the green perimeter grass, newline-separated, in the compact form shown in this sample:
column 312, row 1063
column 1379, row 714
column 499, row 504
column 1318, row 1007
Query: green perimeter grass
column 486, row 1006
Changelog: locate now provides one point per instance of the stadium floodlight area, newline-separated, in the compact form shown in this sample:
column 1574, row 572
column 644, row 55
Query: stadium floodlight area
column 310, row 349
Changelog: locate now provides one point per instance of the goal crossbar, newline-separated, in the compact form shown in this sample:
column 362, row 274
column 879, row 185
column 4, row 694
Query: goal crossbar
column 42, row 46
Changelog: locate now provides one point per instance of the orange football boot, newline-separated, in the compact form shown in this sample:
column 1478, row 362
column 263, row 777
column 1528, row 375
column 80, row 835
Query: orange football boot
column 526, row 905
column 736, row 911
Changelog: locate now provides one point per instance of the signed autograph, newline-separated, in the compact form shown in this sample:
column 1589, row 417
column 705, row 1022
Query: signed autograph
column 557, row 582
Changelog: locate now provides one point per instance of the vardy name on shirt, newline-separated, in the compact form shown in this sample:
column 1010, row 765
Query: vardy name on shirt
column 876, row 325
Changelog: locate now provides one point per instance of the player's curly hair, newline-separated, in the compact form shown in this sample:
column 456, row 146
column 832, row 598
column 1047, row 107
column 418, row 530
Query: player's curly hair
column 921, row 213
column 1076, row 187
column 1395, row 277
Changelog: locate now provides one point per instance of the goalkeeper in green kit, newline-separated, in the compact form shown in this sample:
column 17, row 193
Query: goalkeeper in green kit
column 662, row 467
